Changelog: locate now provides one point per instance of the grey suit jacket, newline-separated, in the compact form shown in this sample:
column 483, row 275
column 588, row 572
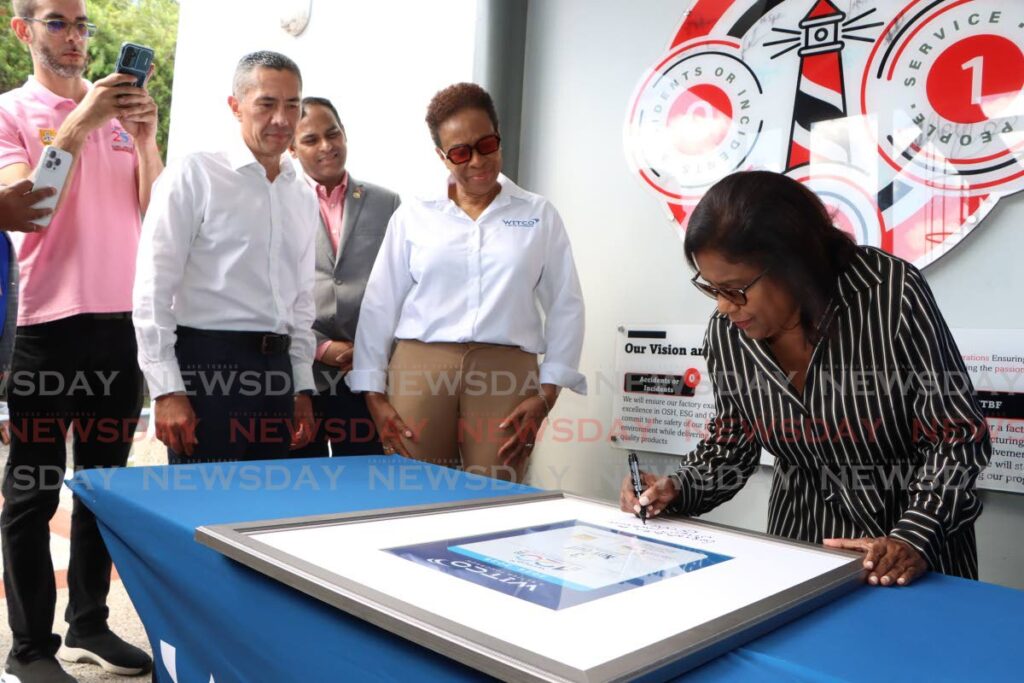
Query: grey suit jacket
column 340, row 282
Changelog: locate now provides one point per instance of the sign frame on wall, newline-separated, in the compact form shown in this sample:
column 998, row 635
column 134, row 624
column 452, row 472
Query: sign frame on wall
column 653, row 360
column 663, row 397
column 995, row 364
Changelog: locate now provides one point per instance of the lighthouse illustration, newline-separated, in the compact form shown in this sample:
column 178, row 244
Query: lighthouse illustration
column 820, row 95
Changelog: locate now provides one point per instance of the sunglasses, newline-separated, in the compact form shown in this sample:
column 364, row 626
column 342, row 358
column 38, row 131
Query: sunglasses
column 734, row 295
column 58, row 26
column 460, row 154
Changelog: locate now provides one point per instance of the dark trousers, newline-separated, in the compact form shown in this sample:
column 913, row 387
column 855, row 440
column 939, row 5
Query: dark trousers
column 242, row 394
column 79, row 374
column 343, row 420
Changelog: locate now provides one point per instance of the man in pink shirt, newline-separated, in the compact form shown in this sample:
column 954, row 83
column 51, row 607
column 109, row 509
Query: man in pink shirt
column 74, row 323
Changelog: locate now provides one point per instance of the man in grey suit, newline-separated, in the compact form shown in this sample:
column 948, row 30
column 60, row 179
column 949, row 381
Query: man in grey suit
column 354, row 216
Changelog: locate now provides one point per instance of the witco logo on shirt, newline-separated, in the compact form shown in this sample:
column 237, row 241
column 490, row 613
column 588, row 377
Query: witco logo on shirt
column 520, row 222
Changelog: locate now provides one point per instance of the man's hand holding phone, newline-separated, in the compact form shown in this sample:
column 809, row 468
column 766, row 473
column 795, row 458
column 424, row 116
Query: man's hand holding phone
column 104, row 101
column 18, row 210
column 139, row 117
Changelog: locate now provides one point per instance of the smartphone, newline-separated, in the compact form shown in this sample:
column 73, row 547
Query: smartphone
column 135, row 60
column 52, row 172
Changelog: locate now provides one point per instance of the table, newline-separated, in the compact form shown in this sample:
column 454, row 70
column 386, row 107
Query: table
column 207, row 616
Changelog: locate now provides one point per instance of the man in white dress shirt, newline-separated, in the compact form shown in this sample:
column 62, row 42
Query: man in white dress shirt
column 224, row 286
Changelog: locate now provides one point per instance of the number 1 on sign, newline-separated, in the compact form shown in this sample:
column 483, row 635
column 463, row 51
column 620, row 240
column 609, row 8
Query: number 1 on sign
column 975, row 67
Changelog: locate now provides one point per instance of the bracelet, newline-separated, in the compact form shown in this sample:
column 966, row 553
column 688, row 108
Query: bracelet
column 547, row 406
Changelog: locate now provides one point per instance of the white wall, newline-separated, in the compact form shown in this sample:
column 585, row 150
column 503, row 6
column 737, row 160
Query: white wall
column 379, row 62
column 584, row 59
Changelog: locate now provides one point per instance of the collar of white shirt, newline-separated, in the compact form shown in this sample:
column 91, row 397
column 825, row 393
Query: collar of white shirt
column 442, row 201
column 240, row 156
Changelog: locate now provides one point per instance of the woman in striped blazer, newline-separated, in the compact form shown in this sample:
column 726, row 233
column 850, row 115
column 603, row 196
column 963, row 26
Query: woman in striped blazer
column 836, row 359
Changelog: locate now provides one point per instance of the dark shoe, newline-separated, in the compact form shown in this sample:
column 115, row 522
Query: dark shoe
column 45, row 670
column 107, row 650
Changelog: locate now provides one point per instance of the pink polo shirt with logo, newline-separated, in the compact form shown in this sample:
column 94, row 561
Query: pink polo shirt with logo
column 84, row 262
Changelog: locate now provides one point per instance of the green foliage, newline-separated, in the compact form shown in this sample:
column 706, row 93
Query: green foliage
column 147, row 22
column 15, row 62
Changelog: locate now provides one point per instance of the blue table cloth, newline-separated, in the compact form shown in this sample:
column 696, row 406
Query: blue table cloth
column 210, row 617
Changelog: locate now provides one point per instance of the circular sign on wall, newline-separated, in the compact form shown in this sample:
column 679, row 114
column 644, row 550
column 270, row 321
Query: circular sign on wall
column 695, row 119
column 946, row 87
column 907, row 117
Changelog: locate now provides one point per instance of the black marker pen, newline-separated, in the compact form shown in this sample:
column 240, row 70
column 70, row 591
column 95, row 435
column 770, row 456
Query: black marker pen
column 638, row 484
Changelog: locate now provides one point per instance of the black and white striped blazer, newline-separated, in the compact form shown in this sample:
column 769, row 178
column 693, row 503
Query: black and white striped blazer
column 886, row 439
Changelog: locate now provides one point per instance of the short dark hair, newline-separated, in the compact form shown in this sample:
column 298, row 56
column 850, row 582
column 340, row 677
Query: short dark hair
column 453, row 99
column 24, row 8
column 772, row 221
column 307, row 102
column 265, row 59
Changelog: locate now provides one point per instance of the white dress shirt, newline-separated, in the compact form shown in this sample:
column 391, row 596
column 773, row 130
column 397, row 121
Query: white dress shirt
column 442, row 277
column 223, row 248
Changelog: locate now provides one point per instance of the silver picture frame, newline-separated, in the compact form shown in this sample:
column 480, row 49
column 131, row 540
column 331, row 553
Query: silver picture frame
column 660, row 660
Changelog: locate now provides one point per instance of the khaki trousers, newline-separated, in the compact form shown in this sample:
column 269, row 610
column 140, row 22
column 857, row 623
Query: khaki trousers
column 454, row 396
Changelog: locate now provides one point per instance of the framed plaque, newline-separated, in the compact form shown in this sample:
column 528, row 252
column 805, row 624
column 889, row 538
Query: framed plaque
column 547, row 586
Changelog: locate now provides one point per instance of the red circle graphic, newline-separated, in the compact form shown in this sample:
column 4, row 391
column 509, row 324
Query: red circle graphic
column 699, row 119
column 976, row 78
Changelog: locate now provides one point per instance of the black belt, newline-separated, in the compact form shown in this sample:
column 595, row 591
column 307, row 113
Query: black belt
column 110, row 316
column 265, row 342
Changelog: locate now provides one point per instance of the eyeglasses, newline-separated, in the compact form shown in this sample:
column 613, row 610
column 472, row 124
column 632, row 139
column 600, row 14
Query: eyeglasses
column 58, row 26
column 460, row 154
column 737, row 296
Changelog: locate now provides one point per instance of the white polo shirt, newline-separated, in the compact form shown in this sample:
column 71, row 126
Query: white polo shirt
column 506, row 278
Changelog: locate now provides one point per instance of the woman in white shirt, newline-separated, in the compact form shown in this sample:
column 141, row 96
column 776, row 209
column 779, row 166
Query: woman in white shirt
column 460, row 283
